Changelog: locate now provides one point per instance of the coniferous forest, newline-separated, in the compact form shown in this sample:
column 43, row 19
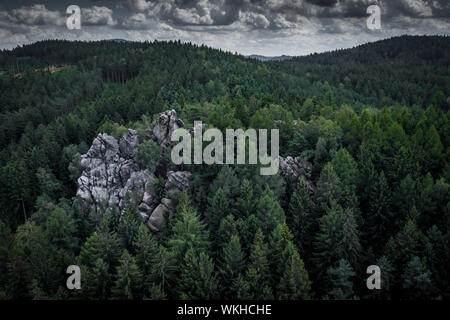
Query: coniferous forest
column 370, row 126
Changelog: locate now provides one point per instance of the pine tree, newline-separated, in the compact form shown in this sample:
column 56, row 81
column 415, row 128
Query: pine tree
column 247, row 228
column 231, row 267
column 387, row 278
column 227, row 181
column 328, row 187
column 378, row 215
column 341, row 283
column 164, row 270
column 14, row 190
column 147, row 251
column 128, row 282
column 347, row 172
column 129, row 224
column 438, row 257
column 258, row 272
column 407, row 243
column 101, row 244
column 245, row 201
column 216, row 212
column 61, row 229
column 188, row 232
column 32, row 257
column 98, row 281
column 228, row 227
column 299, row 216
column 350, row 244
column 417, row 281
column 198, row 280
column 269, row 212
column 404, row 199
column 294, row 283
column 327, row 248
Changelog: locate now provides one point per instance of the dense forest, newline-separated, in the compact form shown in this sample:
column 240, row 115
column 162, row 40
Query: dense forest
column 373, row 122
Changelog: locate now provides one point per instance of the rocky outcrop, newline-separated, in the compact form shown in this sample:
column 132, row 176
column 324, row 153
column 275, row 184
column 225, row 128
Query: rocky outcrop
column 111, row 174
column 295, row 169
column 177, row 180
column 106, row 170
column 160, row 215
column 162, row 129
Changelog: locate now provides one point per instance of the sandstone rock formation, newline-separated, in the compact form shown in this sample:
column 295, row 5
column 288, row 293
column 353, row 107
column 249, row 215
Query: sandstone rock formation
column 165, row 125
column 295, row 169
column 110, row 172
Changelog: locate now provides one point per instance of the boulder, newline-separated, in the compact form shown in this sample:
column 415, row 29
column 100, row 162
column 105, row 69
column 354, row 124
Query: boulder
column 295, row 169
column 160, row 215
column 166, row 123
column 177, row 180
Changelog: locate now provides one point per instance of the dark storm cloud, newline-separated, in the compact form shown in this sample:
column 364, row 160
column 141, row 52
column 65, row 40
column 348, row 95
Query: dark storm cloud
column 230, row 24
column 323, row 3
column 269, row 14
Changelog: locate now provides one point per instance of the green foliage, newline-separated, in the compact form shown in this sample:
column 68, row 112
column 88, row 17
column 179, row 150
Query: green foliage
column 128, row 282
column 61, row 230
column 198, row 280
column 149, row 155
column 372, row 144
column 294, row 283
column 341, row 283
column 187, row 232
column 417, row 280
column 231, row 266
column 269, row 211
column 102, row 244
column 300, row 216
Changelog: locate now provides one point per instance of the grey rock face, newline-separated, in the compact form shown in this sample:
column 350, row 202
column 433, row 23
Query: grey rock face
column 297, row 168
column 109, row 170
column 177, row 180
column 141, row 192
column 165, row 125
column 160, row 215
column 111, row 174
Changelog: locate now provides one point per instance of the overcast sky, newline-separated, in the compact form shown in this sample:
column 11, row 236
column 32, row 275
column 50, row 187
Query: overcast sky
column 267, row 27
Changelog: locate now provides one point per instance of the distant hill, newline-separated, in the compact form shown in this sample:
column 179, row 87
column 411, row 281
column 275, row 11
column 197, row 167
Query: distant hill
column 407, row 69
column 118, row 40
column 266, row 58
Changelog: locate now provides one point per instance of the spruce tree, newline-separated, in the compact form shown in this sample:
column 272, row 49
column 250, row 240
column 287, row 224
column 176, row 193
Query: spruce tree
column 328, row 187
column 350, row 244
column 327, row 248
column 128, row 283
column 98, row 281
column 198, row 280
column 188, row 232
column 216, row 212
column 231, row 266
column 294, row 283
column 147, row 251
column 299, row 217
column 245, row 202
column 341, row 282
column 417, row 280
column 269, row 211
column 258, row 273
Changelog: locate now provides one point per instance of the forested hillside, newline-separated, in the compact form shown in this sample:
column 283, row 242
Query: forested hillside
column 406, row 70
column 370, row 127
